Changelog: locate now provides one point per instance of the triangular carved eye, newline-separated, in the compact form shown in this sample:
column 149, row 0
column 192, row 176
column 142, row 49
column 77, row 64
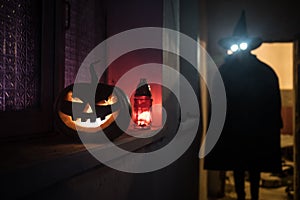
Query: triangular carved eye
column 77, row 100
column 112, row 99
column 69, row 97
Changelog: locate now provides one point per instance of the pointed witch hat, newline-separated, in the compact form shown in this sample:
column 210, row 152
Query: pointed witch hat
column 240, row 34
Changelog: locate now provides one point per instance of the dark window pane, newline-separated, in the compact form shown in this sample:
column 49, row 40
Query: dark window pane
column 20, row 31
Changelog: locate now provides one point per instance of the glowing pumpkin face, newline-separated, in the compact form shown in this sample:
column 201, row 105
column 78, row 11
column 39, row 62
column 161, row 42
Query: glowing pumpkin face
column 91, row 114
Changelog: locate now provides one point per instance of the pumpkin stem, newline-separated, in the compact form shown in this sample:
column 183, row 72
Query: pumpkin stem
column 94, row 78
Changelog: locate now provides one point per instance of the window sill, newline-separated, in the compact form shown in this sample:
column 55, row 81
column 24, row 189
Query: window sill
column 32, row 165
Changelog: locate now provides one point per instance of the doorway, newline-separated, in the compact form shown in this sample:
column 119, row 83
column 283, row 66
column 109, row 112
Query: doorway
column 282, row 57
column 290, row 93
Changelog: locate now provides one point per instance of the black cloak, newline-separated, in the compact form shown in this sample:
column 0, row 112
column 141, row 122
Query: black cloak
column 251, row 135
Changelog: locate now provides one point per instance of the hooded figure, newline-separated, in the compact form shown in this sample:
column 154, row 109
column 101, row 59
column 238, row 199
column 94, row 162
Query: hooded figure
column 250, row 140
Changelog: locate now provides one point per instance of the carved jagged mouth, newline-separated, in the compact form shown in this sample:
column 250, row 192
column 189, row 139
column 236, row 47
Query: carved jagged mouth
column 88, row 126
column 91, row 123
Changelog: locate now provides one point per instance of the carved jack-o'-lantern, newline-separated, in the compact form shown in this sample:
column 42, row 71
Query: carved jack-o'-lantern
column 94, row 114
column 91, row 113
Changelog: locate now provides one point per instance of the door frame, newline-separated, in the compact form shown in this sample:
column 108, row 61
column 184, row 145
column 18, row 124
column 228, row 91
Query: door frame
column 296, row 118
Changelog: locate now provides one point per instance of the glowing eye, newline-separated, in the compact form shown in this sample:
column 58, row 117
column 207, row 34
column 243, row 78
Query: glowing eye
column 234, row 48
column 243, row 46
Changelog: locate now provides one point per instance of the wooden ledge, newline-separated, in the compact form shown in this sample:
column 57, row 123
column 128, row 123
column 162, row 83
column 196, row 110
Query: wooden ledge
column 31, row 165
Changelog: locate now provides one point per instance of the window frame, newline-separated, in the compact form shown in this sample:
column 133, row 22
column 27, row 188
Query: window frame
column 29, row 122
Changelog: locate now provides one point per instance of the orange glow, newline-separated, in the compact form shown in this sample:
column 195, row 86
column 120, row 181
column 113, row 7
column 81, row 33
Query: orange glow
column 88, row 126
column 279, row 55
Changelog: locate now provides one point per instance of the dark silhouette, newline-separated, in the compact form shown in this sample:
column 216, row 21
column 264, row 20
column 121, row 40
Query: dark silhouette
column 250, row 140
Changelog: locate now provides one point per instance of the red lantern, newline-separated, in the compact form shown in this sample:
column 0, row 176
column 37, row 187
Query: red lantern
column 142, row 106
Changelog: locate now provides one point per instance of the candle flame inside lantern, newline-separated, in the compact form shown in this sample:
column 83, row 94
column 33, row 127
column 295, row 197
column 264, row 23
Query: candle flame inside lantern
column 144, row 118
column 142, row 106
